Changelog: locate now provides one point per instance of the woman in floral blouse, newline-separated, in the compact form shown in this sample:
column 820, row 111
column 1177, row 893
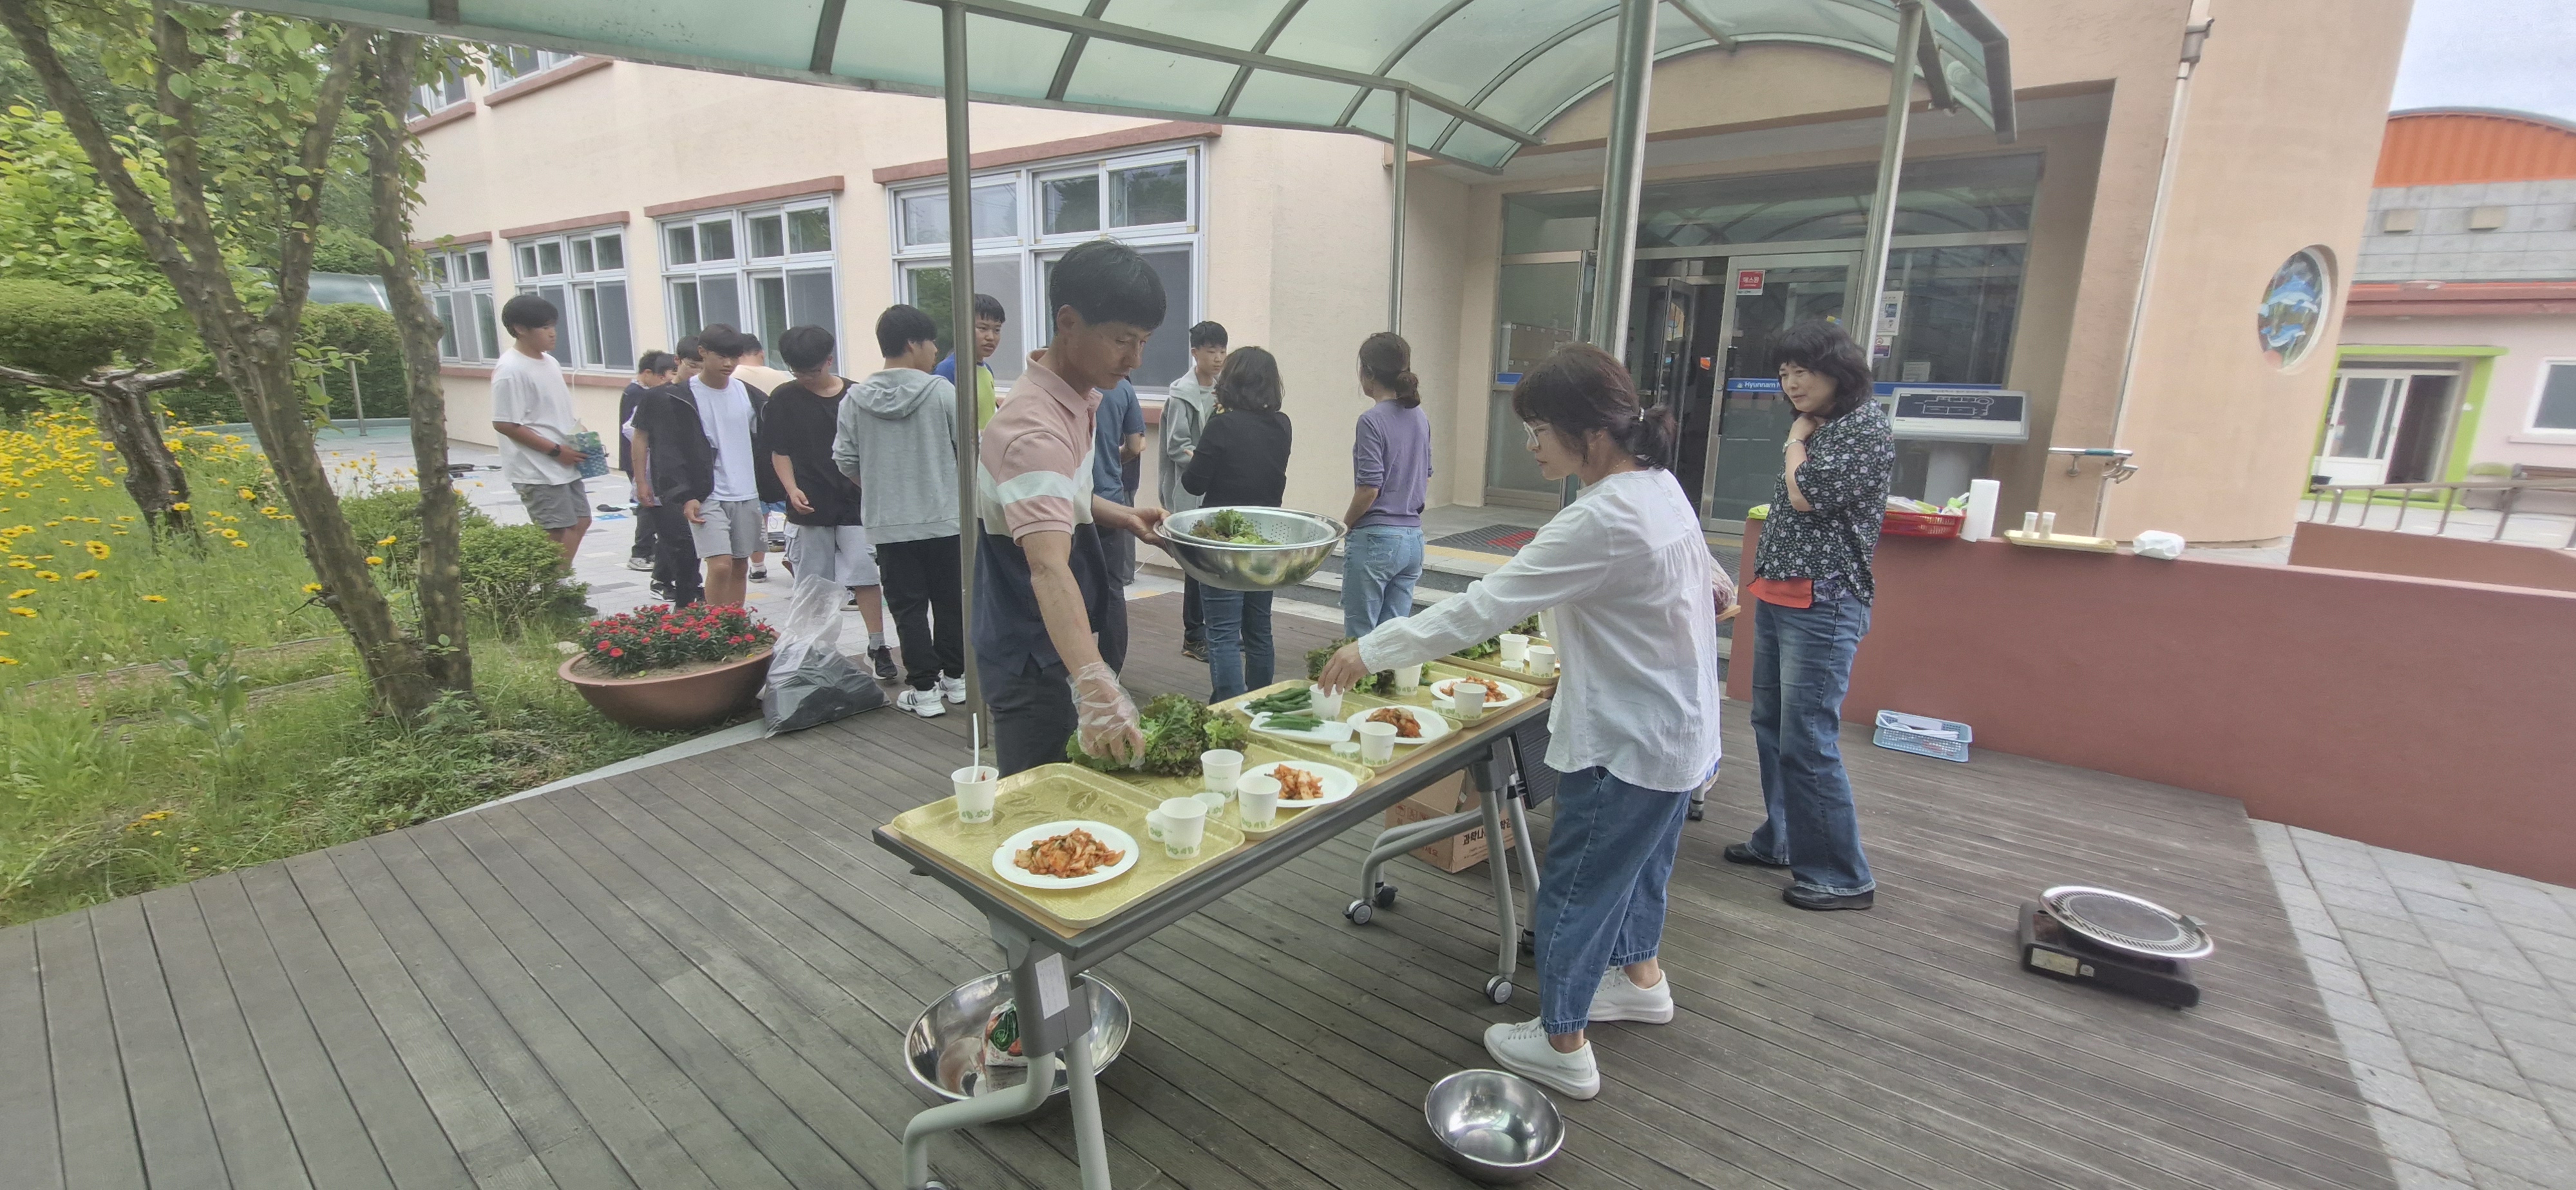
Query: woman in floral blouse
column 1812, row 590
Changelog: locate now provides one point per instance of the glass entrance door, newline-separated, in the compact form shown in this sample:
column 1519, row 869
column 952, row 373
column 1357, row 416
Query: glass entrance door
column 1539, row 305
column 1761, row 296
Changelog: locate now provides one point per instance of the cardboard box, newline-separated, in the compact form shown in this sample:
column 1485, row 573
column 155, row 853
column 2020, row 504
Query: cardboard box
column 1450, row 795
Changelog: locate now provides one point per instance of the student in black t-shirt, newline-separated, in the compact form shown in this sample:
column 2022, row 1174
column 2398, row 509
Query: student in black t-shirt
column 825, row 541
column 654, row 370
column 673, row 466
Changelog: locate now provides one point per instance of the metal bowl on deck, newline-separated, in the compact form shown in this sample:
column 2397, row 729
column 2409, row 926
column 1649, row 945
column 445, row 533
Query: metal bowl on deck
column 1306, row 540
column 1495, row 1127
column 944, row 1048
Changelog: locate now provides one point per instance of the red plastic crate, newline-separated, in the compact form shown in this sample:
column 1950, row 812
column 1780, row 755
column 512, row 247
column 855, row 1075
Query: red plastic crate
column 1922, row 524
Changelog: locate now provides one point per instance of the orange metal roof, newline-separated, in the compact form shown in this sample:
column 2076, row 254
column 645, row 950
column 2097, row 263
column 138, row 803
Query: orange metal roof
column 2450, row 146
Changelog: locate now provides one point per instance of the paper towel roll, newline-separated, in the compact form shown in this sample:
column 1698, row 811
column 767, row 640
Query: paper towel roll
column 1982, row 494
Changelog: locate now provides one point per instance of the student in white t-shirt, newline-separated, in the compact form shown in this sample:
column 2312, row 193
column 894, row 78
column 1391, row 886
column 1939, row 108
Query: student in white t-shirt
column 532, row 412
column 727, row 523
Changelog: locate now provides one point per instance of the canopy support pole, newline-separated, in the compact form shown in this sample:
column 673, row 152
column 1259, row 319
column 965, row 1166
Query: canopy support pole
column 961, row 321
column 1872, row 281
column 1622, row 174
column 1395, row 271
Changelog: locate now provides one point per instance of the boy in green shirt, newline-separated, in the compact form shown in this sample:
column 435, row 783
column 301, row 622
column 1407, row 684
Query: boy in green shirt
column 989, row 320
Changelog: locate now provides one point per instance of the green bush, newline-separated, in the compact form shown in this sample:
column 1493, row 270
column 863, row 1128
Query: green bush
column 61, row 331
column 515, row 575
column 206, row 402
column 396, row 514
column 357, row 329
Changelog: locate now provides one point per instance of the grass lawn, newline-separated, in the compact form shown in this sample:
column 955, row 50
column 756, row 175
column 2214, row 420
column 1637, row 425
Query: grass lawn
column 120, row 773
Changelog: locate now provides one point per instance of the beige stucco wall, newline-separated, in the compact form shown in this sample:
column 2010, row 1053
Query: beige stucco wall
column 2503, row 433
column 2281, row 140
column 2284, row 128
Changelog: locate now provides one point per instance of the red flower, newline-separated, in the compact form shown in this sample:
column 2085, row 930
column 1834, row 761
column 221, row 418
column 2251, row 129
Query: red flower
column 617, row 652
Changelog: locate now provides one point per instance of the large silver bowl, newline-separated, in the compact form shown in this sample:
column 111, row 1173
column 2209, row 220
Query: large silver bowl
column 1310, row 540
column 942, row 1046
column 1495, row 1127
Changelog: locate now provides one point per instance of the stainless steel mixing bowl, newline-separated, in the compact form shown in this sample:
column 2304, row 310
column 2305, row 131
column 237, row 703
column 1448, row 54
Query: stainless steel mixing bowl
column 942, row 1046
column 1308, row 540
column 1495, row 1127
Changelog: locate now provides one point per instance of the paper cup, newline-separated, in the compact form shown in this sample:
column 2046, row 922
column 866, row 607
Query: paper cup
column 1542, row 662
column 1515, row 649
column 1327, row 706
column 974, row 785
column 1220, row 767
column 1348, row 751
column 1377, row 743
column 1258, row 796
column 1181, row 823
column 1408, row 678
column 1467, row 701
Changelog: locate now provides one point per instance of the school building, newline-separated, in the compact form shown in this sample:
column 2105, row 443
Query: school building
column 2156, row 258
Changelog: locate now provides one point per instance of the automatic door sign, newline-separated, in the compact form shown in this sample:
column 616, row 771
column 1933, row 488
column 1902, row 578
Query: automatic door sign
column 1748, row 281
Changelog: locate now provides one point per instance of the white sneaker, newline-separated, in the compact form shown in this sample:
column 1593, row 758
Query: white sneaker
column 1523, row 1049
column 1620, row 999
column 953, row 689
column 924, row 703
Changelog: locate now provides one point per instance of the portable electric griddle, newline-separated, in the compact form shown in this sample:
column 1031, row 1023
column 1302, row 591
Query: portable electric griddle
column 2127, row 944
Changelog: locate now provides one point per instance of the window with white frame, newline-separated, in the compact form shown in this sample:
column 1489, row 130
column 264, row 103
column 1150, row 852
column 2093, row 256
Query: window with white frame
column 438, row 95
column 459, row 284
column 584, row 274
column 757, row 269
column 2554, row 411
column 517, row 62
column 1025, row 219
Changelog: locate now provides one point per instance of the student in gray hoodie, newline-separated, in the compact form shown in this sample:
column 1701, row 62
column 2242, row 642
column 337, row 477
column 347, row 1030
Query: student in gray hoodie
column 898, row 438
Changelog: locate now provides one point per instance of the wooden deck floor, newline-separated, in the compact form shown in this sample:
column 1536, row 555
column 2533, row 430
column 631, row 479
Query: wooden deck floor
column 697, row 975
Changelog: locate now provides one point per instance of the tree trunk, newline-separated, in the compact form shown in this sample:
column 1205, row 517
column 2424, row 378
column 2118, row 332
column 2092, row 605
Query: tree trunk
column 254, row 352
column 440, row 585
column 123, row 407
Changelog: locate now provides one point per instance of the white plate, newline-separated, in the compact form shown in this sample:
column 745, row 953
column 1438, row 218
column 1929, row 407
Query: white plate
column 1434, row 726
column 1511, row 693
column 1114, row 838
column 1338, row 783
column 1324, row 734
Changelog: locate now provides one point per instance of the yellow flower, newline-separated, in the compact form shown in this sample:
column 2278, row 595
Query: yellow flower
column 240, row 543
column 390, row 539
column 373, row 560
column 28, row 612
column 98, row 550
column 181, row 506
column 49, row 576
column 232, row 532
column 248, row 494
column 85, row 576
column 22, row 592
column 8, row 660
column 271, row 510
column 312, row 588
column 156, row 599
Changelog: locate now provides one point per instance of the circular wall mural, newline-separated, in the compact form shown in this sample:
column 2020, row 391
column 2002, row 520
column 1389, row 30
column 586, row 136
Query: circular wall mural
column 2293, row 311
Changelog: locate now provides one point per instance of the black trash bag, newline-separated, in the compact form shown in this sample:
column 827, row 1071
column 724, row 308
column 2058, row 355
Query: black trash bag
column 810, row 682
column 815, row 688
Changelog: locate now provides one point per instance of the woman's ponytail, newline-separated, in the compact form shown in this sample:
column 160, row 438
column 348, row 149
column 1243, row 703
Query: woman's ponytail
column 1388, row 360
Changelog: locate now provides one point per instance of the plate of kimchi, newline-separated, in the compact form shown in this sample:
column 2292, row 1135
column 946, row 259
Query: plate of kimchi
column 1059, row 855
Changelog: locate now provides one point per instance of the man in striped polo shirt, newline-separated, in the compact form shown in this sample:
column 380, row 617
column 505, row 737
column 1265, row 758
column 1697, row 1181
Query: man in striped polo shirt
column 1043, row 591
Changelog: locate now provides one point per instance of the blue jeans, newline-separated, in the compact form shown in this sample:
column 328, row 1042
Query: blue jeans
column 1802, row 660
column 1380, row 564
column 1601, row 889
column 1238, row 641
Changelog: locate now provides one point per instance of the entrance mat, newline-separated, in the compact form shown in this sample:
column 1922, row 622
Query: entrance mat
column 1492, row 539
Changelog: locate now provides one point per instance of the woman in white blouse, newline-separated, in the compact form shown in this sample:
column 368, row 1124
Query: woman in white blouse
column 1635, row 721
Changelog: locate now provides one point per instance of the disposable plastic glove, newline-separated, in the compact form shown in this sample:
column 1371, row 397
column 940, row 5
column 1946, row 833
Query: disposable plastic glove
column 1108, row 720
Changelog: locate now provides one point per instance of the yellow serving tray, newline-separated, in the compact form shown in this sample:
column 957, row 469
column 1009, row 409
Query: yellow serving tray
column 1046, row 794
column 1494, row 665
column 2063, row 541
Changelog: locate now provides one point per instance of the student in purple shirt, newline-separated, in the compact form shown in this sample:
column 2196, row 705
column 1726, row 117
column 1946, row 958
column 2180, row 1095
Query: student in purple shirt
column 1391, row 478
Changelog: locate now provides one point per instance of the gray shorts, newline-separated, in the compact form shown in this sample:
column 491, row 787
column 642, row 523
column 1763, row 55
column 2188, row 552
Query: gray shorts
column 837, row 552
column 732, row 529
column 555, row 505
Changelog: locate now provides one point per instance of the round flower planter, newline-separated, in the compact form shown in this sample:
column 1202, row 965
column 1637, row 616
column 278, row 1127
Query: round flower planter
column 674, row 702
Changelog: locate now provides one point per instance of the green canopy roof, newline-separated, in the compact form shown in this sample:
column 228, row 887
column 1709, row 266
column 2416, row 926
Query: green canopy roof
column 1484, row 76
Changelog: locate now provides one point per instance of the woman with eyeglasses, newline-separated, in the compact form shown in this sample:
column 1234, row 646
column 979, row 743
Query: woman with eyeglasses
column 1635, row 717
column 1812, row 588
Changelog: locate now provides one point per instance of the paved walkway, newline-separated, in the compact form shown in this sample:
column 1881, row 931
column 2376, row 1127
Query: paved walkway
column 2453, row 991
